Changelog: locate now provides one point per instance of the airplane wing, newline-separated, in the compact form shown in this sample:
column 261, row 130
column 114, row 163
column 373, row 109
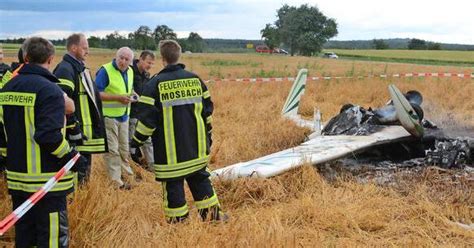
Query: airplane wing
column 318, row 150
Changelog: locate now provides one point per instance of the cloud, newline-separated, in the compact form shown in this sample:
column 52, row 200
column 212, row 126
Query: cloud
column 94, row 5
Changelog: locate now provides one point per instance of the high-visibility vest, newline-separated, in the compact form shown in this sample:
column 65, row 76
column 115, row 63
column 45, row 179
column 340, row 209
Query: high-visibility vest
column 117, row 86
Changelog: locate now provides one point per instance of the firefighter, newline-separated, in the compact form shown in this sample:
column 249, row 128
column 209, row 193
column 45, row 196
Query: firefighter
column 6, row 77
column 4, row 68
column 115, row 83
column 33, row 107
column 85, row 127
column 141, row 75
column 4, row 71
column 175, row 110
column 14, row 67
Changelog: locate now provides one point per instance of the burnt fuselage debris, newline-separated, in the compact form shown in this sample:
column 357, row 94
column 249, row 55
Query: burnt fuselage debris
column 434, row 148
column 451, row 153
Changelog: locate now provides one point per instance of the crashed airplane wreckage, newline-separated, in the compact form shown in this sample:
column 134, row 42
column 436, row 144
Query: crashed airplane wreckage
column 397, row 130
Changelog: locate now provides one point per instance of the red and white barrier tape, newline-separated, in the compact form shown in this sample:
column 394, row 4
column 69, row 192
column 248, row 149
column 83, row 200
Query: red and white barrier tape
column 395, row 75
column 12, row 218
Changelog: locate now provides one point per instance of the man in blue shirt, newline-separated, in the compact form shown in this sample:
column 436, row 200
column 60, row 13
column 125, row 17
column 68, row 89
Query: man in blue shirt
column 115, row 83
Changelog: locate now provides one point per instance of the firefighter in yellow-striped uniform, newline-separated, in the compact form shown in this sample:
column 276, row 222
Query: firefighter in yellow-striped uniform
column 85, row 127
column 33, row 109
column 175, row 110
column 6, row 77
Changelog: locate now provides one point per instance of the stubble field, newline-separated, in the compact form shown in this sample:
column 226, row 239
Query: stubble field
column 298, row 208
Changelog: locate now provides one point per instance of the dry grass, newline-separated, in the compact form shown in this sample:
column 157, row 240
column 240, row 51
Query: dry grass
column 298, row 208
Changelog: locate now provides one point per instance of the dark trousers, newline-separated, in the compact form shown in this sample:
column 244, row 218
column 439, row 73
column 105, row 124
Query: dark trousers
column 203, row 193
column 83, row 175
column 44, row 225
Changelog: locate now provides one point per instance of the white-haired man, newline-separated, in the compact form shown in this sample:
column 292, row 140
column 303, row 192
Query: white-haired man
column 115, row 83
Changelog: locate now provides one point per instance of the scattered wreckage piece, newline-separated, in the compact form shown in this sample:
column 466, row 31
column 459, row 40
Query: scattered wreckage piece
column 406, row 114
column 451, row 153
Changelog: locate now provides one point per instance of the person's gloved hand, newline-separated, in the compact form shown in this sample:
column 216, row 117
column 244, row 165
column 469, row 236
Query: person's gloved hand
column 80, row 165
column 135, row 151
column 136, row 154
column 75, row 135
column 3, row 163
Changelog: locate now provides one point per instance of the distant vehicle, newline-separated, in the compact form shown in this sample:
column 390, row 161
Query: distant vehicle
column 280, row 51
column 330, row 55
column 263, row 49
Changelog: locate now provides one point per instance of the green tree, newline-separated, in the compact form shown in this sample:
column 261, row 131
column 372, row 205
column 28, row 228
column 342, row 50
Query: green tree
column 116, row 40
column 143, row 38
column 417, row 44
column 195, row 43
column 304, row 29
column 434, row 46
column 379, row 44
column 163, row 32
column 94, row 41
column 270, row 36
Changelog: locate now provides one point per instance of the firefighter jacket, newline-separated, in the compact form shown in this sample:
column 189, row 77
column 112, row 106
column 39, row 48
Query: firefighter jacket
column 3, row 141
column 175, row 109
column 117, row 86
column 33, row 112
column 4, row 68
column 139, row 80
column 76, row 81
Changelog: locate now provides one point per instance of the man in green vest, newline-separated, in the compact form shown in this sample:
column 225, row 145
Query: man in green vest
column 115, row 83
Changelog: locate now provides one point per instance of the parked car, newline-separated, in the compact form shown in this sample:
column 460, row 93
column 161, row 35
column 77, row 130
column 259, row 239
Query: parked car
column 262, row 49
column 280, row 51
column 330, row 55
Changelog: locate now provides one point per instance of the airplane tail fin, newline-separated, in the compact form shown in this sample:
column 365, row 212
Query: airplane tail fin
column 293, row 101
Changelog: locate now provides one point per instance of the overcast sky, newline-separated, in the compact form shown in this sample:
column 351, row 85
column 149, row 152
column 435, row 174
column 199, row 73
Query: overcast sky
column 441, row 21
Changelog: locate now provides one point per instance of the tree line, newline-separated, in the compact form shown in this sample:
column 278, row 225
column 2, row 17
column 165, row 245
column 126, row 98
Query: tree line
column 413, row 44
column 146, row 38
column 397, row 43
column 142, row 38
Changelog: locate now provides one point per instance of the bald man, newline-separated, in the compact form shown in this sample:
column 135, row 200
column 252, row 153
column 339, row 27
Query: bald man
column 115, row 83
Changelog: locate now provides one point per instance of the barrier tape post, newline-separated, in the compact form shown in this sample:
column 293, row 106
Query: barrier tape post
column 12, row 218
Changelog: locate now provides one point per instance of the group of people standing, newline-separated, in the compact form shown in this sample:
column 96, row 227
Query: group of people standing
column 48, row 118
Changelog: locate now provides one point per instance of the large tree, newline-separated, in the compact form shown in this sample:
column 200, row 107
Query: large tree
column 163, row 32
column 116, row 40
column 270, row 36
column 379, row 44
column 195, row 43
column 143, row 38
column 304, row 29
column 417, row 44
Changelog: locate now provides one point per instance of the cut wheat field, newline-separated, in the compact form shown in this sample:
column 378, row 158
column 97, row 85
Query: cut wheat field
column 299, row 208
